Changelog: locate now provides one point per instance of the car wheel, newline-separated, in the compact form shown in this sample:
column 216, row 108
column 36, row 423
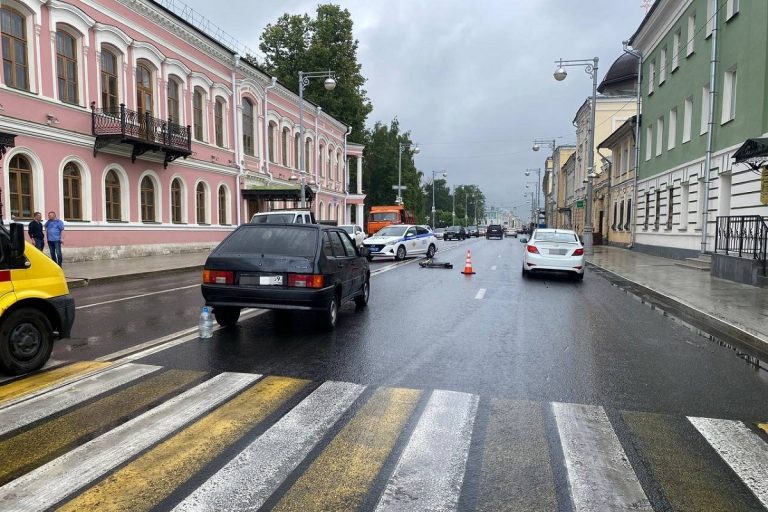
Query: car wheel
column 26, row 341
column 400, row 255
column 331, row 313
column 579, row 277
column 526, row 273
column 431, row 251
column 362, row 300
column 226, row 317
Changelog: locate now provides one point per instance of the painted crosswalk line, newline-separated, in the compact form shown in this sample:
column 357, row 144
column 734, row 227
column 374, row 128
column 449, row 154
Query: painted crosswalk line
column 600, row 475
column 427, row 478
column 37, row 382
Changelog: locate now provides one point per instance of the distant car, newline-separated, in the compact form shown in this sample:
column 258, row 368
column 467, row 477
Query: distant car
column 494, row 231
column 307, row 267
column 472, row 231
column 355, row 232
column 455, row 233
column 439, row 232
column 284, row 217
column 554, row 250
column 401, row 240
column 481, row 230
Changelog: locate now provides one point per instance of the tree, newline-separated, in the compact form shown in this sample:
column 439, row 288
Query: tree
column 300, row 43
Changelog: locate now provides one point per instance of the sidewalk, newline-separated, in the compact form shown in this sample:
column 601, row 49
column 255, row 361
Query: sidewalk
column 718, row 306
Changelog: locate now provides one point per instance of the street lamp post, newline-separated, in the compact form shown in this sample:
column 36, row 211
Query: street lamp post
column 401, row 147
column 453, row 209
column 330, row 84
column 537, row 143
column 590, row 67
column 445, row 175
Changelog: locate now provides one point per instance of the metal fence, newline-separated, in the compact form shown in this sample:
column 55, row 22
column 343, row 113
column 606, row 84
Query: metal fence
column 142, row 127
column 743, row 235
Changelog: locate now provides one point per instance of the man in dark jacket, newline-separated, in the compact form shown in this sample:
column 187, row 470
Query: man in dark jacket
column 36, row 231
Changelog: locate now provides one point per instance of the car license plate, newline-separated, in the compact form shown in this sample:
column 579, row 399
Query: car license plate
column 558, row 252
column 270, row 280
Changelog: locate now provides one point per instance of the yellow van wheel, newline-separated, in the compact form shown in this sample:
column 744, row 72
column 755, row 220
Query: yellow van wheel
column 26, row 341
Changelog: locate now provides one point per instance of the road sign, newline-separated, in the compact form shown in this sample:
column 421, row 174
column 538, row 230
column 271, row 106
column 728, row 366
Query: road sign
column 401, row 187
column 580, row 204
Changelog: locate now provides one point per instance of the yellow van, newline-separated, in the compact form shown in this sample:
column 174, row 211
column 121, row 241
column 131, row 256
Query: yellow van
column 35, row 306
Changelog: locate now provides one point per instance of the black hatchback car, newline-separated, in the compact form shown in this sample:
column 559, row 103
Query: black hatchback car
column 494, row 231
column 455, row 233
column 306, row 267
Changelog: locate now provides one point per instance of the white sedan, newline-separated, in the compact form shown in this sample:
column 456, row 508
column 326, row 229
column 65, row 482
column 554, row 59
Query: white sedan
column 401, row 240
column 554, row 250
column 355, row 232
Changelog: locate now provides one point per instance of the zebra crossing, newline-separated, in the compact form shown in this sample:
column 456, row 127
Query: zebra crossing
column 134, row 436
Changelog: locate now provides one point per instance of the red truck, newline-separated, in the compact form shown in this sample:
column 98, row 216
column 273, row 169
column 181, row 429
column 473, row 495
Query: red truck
column 382, row 216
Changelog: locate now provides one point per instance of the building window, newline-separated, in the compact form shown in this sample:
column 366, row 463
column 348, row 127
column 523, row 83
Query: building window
column 710, row 19
column 109, row 92
column 331, row 173
column 704, row 110
column 672, row 129
column 112, row 197
column 176, row 201
column 73, row 197
column 659, row 135
column 144, row 94
column 629, row 213
column 729, row 95
column 200, row 203
column 670, row 206
column 731, row 9
column 321, row 163
column 271, row 141
column 173, row 101
column 296, row 149
column 248, row 127
column 648, row 142
column 15, row 69
column 625, row 158
column 615, row 215
column 222, row 205
column 676, row 49
column 218, row 115
column 621, row 216
column 651, row 75
column 684, row 206
column 197, row 113
column 691, row 35
column 308, row 156
column 20, row 187
column 147, row 200
column 663, row 65
column 647, row 209
column 657, row 209
column 687, row 117
column 66, row 66
column 284, row 146
column 702, row 202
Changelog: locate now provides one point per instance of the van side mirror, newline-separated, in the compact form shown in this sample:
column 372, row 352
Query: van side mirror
column 17, row 240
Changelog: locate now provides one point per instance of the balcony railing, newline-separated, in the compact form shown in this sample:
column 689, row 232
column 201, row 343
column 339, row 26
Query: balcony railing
column 144, row 132
column 743, row 235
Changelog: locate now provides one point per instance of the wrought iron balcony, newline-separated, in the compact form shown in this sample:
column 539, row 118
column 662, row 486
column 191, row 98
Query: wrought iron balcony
column 142, row 131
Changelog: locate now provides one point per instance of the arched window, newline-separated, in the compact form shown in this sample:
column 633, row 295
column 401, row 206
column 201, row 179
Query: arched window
column 66, row 66
column 339, row 172
column 320, row 163
column 144, row 93
column 330, row 211
column 73, row 192
column 200, row 203
column 173, row 101
column 330, row 165
column 176, row 201
column 308, row 156
column 20, row 187
column 338, row 214
column 14, row 32
column 219, row 126
column 109, row 93
column 248, row 127
column 284, row 146
column 147, row 200
column 296, row 150
column 271, row 149
column 197, row 113
column 222, row 205
column 114, row 211
column 321, row 211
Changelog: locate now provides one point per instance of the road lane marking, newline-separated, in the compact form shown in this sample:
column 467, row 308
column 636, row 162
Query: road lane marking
column 146, row 481
column 31, row 448
column 45, row 486
column 340, row 478
column 52, row 363
column 480, row 294
column 599, row 472
column 43, row 381
column 149, row 294
column 430, row 472
column 763, row 426
column 256, row 472
column 493, row 267
column 741, row 449
column 42, row 406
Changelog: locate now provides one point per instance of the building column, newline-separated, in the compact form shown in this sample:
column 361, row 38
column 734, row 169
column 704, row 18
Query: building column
column 359, row 174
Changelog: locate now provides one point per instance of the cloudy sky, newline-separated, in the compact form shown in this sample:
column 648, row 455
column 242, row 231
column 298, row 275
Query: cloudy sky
column 471, row 79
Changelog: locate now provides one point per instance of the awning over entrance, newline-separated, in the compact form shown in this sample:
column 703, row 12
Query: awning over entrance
column 278, row 193
column 753, row 151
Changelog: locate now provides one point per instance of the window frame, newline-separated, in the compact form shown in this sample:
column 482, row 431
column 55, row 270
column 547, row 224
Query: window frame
column 218, row 124
column 66, row 80
column 177, row 201
column 676, row 49
column 110, row 82
column 16, row 199
column 223, row 205
column 687, row 119
column 173, row 101
column 663, row 66
column 659, row 135
column 248, row 128
column 142, row 89
column 690, row 43
column 10, row 66
column 704, row 128
column 201, row 205
column 198, row 114
column 109, row 197
column 148, row 200
column 672, row 129
column 70, row 183
column 730, row 83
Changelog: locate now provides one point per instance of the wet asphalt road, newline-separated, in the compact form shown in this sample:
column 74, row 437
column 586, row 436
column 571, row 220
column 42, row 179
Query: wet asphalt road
column 543, row 339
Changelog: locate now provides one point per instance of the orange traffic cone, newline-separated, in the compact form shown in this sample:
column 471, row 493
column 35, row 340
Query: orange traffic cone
column 468, row 265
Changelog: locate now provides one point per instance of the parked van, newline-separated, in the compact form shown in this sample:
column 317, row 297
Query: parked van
column 382, row 216
column 284, row 217
column 35, row 305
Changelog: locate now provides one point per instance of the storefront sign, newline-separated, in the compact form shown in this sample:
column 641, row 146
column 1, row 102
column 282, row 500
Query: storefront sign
column 579, row 204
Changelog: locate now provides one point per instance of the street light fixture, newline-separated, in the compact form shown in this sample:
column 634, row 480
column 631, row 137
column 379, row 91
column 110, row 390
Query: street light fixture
column 590, row 67
column 445, row 175
column 330, row 84
column 401, row 147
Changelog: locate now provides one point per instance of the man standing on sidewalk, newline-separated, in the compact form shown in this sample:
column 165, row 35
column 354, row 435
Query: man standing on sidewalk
column 53, row 229
column 36, row 231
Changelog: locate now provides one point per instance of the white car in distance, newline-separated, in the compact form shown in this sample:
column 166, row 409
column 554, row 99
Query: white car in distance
column 554, row 250
column 355, row 232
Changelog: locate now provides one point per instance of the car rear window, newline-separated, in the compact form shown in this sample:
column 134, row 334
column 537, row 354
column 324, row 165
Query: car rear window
column 273, row 218
column 556, row 237
column 277, row 241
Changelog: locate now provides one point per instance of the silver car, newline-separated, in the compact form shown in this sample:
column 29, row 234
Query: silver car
column 554, row 250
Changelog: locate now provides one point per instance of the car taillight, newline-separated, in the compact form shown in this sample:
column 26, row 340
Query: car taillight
column 532, row 249
column 305, row 280
column 218, row 277
column 578, row 252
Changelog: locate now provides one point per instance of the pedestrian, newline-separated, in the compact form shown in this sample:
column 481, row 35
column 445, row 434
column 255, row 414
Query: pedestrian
column 36, row 231
column 53, row 230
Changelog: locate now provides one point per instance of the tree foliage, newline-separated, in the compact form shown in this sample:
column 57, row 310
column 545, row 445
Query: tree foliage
column 300, row 43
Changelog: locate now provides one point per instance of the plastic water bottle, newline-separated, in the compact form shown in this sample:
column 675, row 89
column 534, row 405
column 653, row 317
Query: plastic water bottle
column 205, row 327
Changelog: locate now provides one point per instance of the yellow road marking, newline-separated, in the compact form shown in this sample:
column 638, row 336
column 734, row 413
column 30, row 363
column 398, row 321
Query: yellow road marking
column 341, row 476
column 46, row 378
column 32, row 448
column 763, row 426
column 146, row 481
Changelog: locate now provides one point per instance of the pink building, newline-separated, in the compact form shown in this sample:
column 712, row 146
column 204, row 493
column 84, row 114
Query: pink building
column 148, row 136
